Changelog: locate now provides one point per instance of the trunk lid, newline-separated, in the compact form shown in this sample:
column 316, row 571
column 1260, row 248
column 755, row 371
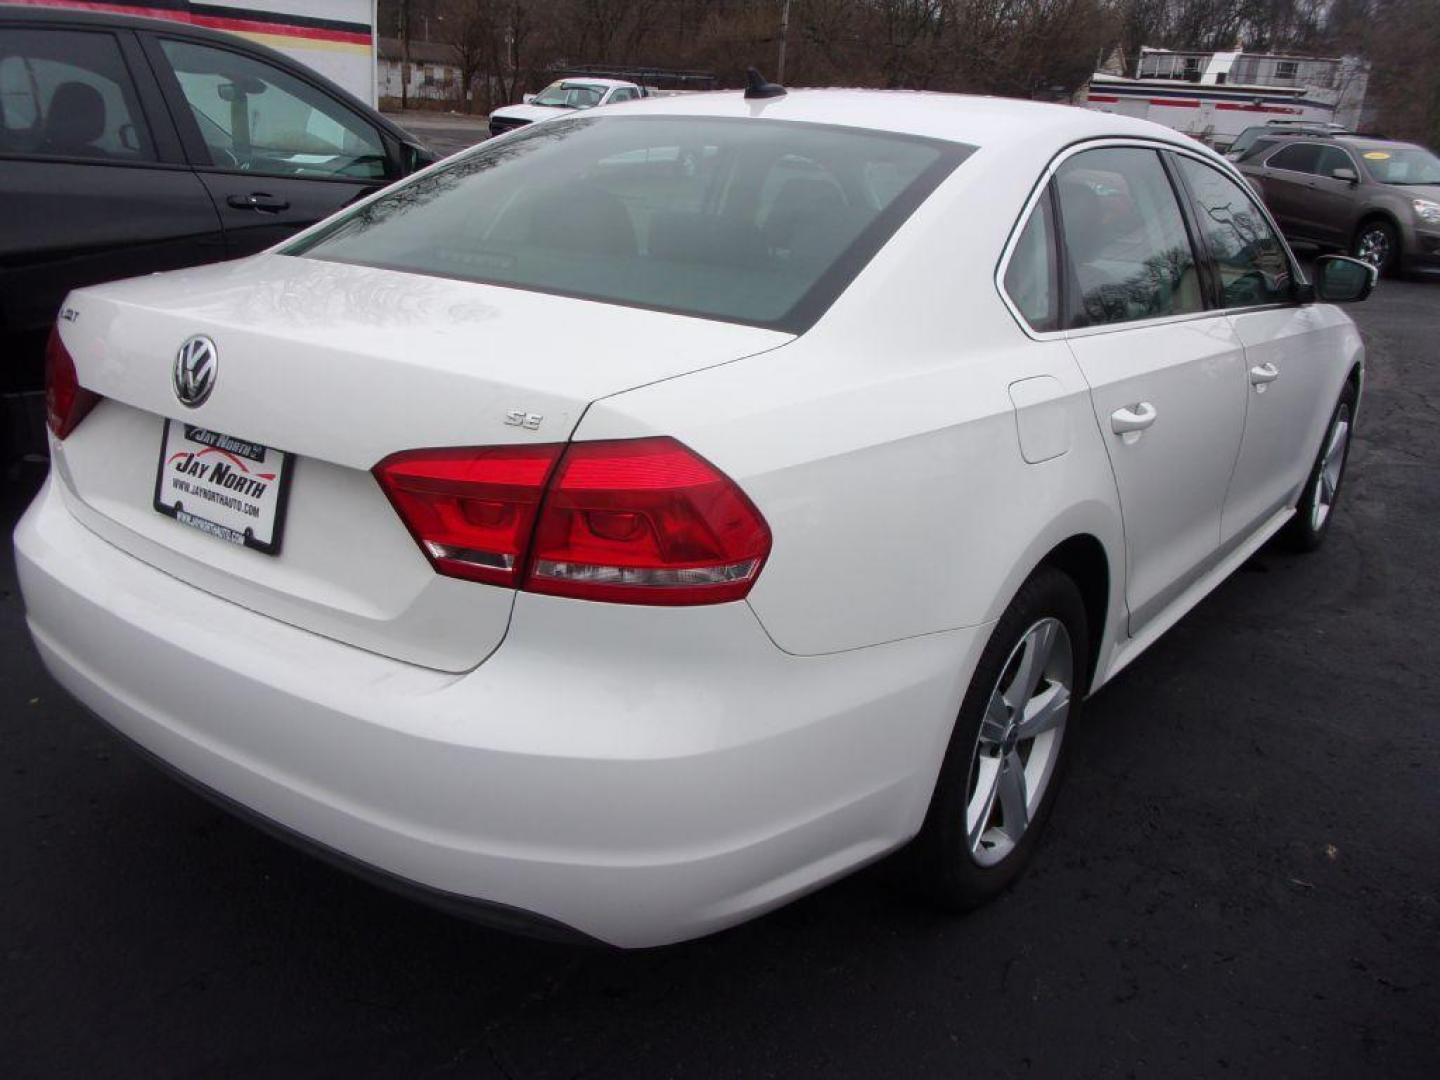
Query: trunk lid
column 342, row 366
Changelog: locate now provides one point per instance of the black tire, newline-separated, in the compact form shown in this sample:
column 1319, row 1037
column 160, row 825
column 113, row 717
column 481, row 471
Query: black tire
column 948, row 870
column 1377, row 242
column 1307, row 530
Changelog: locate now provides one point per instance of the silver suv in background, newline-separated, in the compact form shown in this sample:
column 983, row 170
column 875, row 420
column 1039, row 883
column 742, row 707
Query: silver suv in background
column 1375, row 198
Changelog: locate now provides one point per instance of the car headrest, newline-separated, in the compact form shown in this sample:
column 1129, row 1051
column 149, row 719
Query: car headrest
column 75, row 120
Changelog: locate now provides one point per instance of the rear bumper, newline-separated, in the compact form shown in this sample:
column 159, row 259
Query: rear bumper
column 639, row 775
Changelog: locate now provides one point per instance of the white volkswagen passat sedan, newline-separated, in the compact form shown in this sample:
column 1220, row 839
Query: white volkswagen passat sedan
column 642, row 519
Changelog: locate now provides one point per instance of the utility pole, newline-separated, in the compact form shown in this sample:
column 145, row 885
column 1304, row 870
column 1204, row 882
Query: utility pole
column 784, row 32
column 404, row 55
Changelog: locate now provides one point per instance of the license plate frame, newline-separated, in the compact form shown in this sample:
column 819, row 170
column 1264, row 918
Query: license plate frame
column 225, row 475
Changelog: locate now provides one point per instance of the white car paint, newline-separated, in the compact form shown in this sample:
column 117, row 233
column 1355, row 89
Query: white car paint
column 650, row 774
column 532, row 114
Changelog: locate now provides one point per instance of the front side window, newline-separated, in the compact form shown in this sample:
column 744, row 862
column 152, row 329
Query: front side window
column 1127, row 250
column 746, row 220
column 1032, row 278
column 1249, row 257
column 68, row 93
column 1297, row 157
column 1332, row 158
column 258, row 118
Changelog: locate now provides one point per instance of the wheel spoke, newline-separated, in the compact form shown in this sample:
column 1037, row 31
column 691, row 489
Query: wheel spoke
column 1045, row 710
column 997, row 719
column 1013, row 796
column 1033, row 659
column 982, row 802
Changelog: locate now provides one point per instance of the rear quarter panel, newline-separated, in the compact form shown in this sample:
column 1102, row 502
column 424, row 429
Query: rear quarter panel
column 882, row 446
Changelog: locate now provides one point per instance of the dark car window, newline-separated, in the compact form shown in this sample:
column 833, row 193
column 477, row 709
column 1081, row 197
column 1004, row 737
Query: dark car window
column 1125, row 241
column 1301, row 157
column 1332, row 158
column 1258, row 148
column 1251, row 261
column 753, row 221
column 68, row 93
column 1032, row 279
column 258, row 118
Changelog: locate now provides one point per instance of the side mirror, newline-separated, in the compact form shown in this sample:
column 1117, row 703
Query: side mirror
column 1345, row 173
column 414, row 157
column 1340, row 279
column 527, row 98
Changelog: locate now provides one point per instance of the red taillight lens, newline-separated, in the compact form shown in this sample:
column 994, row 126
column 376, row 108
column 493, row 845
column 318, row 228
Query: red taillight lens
column 471, row 510
column 638, row 521
column 645, row 521
column 66, row 401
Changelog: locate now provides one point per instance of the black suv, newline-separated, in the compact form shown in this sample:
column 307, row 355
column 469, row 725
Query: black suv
column 132, row 145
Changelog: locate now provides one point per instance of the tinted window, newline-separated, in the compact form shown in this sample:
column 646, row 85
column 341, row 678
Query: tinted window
column 1257, row 148
column 1300, row 157
column 256, row 117
column 1125, row 241
column 1252, row 263
column 1332, row 158
column 1032, row 280
column 754, row 221
column 67, row 93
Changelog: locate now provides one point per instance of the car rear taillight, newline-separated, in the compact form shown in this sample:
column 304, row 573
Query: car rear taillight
column 66, row 401
column 472, row 511
column 637, row 521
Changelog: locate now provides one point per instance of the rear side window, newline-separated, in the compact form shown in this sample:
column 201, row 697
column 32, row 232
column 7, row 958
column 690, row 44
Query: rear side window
column 1032, row 278
column 1298, row 157
column 255, row 117
column 1251, row 262
column 1126, row 246
column 68, row 93
column 745, row 220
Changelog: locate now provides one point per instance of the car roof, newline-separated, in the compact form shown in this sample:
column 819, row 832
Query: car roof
column 960, row 118
column 1371, row 142
column 586, row 80
column 52, row 14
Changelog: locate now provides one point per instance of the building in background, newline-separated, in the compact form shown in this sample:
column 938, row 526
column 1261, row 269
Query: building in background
column 335, row 37
column 434, row 75
column 1213, row 96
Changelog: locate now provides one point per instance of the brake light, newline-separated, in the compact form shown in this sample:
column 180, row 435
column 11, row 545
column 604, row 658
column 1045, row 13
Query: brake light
column 638, row 521
column 66, row 401
column 472, row 511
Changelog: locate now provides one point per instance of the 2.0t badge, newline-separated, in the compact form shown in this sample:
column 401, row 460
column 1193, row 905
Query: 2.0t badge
column 196, row 365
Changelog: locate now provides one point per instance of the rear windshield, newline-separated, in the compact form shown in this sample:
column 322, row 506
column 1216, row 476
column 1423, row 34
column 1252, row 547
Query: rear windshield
column 754, row 221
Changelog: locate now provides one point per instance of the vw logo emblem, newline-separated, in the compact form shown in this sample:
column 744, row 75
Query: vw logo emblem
column 196, row 365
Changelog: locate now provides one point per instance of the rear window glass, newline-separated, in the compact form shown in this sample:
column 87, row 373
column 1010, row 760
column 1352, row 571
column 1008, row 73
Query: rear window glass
column 754, row 221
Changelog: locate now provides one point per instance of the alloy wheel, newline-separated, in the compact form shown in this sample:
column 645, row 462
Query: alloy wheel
column 1332, row 462
column 1374, row 247
column 1019, row 741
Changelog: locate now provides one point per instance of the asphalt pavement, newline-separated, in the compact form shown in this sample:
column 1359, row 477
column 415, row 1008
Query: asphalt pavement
column 443, row 132
column 1242, row 877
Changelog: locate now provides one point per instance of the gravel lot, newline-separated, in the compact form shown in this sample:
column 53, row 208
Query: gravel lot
column 1242, row 876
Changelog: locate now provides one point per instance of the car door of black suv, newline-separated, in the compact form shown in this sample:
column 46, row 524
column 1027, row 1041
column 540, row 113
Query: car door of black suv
column 93, row 182
column 275, row 149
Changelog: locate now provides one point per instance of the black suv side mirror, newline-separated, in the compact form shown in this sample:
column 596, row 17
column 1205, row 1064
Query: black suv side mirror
column 414, row 157
column 1345, row 173
column 1340, row 279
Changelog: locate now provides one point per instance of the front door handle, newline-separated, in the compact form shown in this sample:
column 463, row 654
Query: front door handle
column 1132, row 419
column 259, row 200
column 1262, row 375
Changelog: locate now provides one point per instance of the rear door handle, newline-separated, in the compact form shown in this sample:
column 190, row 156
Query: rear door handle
column 259, row 200
column 1261, row 375
column 1133, row 419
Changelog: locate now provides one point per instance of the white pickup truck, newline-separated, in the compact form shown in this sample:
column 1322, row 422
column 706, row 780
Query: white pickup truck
column 564, row 95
